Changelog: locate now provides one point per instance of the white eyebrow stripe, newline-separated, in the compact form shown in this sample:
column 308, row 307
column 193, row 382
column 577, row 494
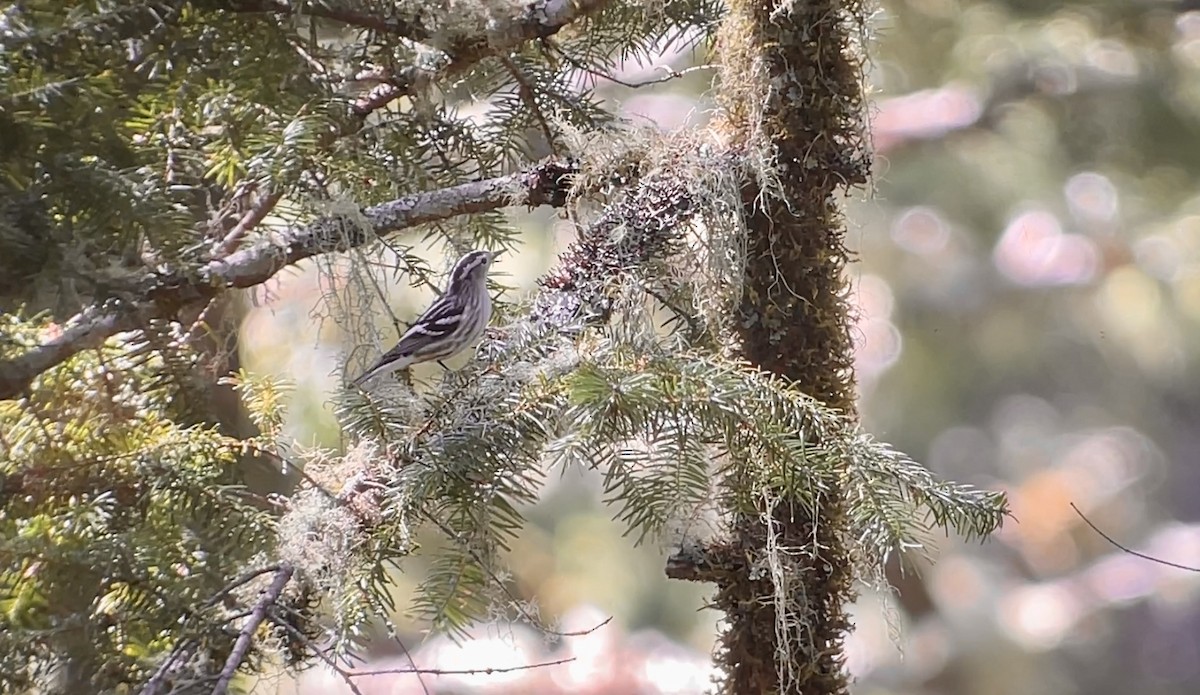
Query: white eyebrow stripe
column 468, row 264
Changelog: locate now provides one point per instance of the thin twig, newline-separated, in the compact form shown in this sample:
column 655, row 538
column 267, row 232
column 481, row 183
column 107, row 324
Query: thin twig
column 249, row 446
column 307, row 57
column 1131, row 551
column 462, row 671
column 201, row 322
column 239, row 581
column 259, row 210
column 533, row 620
column 331, row 662
column 409, row 658
column 526, row 92
column 246, row 637
column 672, row 73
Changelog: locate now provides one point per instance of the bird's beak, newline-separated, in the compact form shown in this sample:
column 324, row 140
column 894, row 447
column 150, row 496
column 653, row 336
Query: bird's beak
column 496, row 254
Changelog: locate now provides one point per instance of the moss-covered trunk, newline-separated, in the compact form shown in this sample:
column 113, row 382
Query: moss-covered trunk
column 800, row 99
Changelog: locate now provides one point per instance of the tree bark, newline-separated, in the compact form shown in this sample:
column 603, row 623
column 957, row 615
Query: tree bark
column 786, row 576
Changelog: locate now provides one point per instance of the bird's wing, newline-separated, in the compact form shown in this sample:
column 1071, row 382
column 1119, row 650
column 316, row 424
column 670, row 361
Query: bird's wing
column 438, row 321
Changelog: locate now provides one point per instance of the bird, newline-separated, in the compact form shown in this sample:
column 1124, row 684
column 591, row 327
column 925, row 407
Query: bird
column 454, row 321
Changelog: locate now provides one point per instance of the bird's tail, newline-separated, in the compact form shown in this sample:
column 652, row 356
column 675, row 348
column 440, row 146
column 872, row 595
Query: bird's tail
column 362, row 378
column 381, row 367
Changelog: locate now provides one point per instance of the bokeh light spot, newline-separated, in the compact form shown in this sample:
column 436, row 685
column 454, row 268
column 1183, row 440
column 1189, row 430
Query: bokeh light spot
column 1034, row 251
column 1039, row 616
column 921, row 230
column 1092, row 197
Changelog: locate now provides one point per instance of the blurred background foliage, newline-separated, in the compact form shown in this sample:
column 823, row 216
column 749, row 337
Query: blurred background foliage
column 1029, row 290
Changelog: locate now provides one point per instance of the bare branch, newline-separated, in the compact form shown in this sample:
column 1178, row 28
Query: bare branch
column 380, row 96
column 462, row 671
column 671, row 73
column 185, row 649
column 246, row 637
column 89, row 329
column 695, row 563
column 164, row 295
column 545, row 184
column 253, row 216
column 538, row 20
column 321, row 654
column 1131, row 551
column 179, row 653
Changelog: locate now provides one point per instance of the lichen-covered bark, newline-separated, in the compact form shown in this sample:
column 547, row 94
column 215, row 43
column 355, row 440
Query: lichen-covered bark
column 798, row 97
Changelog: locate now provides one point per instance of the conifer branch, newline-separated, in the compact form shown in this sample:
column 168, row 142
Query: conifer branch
column 407, row 28
column 538, row 20
column 164, row 295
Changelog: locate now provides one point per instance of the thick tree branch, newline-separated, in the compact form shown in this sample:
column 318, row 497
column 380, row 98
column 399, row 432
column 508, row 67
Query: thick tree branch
column 537, row 20
column 164, row 295
column 638, row 227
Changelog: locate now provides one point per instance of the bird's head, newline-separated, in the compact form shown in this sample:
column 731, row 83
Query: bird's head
column 472, row 267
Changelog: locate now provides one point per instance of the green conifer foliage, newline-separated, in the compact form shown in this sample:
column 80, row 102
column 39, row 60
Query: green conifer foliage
column 156, row 158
